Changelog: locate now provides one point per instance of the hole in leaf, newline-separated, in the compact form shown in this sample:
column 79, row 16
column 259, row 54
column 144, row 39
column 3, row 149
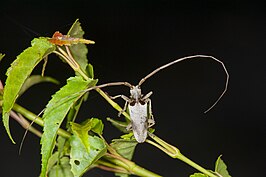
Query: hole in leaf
column 76, row 162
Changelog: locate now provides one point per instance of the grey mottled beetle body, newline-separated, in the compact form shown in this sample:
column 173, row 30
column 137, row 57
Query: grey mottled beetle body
column 140, row 112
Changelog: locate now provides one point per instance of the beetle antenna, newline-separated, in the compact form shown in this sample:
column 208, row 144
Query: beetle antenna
column 109, row 84
column 83, row 91
column 192, row 57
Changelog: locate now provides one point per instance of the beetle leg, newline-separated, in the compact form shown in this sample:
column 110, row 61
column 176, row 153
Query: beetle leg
column 129, row 127
column 150, row 120
column 115, row 97
column 124, row 109
column 147, row 96
column 120, row 96
column 126, row 103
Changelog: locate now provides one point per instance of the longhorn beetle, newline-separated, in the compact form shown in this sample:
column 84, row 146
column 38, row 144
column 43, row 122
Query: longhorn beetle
column 139, row 105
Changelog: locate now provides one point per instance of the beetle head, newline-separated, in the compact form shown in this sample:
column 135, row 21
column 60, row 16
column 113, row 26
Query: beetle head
column 135, row 92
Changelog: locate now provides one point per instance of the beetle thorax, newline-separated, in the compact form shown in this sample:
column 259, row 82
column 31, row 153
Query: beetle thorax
column 135, row 92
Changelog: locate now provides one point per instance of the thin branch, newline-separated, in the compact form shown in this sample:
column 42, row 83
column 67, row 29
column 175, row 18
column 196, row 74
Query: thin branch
column 24, row 123
column 111, row 169
column 1, row 85
column 31, row 116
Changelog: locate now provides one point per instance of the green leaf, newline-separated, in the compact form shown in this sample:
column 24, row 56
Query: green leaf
column 76, row 30
column 80, row 51
column 96, row 126
column 221, row 168
column 36, row 79
column 1, row 56
column 80, row 159
column 124, row 147
column 82, row 130
column 19, row 71
column 53, row 160
column 198, row 175
column 63, row 145
column 61, row 169
column 73, row 112
column 58, row 164
column 56, row 111
column 129, row 136
column 89, row 70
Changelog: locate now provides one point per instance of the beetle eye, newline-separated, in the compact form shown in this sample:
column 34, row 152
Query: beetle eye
column 141, row 102
column 132, row 103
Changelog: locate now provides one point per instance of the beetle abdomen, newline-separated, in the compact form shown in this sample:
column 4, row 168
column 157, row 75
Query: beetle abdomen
column 138, row 116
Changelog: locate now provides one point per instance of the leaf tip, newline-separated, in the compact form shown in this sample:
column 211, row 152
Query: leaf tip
column 1, row 56
column 6, row 125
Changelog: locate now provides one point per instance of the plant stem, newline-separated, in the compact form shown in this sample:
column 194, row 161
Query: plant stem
column 71, row 61
column 33, row 117
column 110, row 167
column 174, row 152
column 194, row 165
column 112, row 103
column 131, row 167
column 24, row 123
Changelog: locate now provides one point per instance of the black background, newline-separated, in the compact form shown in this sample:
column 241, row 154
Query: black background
column 133, row 38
